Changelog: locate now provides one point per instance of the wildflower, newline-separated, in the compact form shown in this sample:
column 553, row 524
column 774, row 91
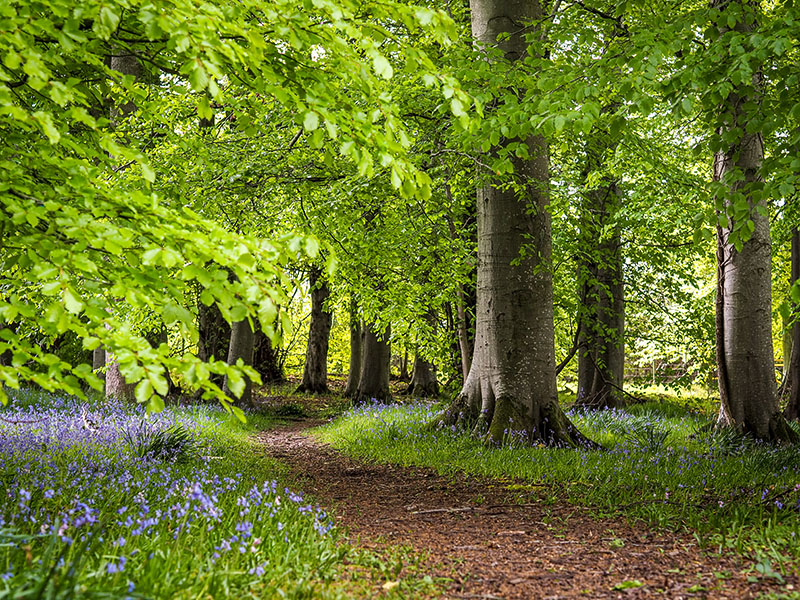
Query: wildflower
column 112, row 568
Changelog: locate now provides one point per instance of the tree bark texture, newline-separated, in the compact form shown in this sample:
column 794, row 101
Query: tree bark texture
column 792, row 361
column 745, row 363
column 116, row 386
column 423, row 379
column 99, row 361
column 373, row 384
column 267, row 359
column 464, row 340
column 241, row 346
column 510, row 391
column 356, row 346
column 601, row 312
column 315, row 371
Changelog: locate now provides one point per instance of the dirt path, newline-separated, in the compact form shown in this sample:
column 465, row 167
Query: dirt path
column 474, row 533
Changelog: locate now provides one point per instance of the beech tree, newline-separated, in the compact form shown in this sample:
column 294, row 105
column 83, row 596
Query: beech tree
column 511, row 386
column 601, row 308
column 376, row 355
column 315, row 371
column 744, row 301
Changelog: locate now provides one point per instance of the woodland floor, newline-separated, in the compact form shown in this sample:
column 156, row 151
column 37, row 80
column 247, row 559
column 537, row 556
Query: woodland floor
column 476, row 535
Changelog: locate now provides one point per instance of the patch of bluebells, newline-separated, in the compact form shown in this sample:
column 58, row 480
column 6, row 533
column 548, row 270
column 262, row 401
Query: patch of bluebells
column 66, row 470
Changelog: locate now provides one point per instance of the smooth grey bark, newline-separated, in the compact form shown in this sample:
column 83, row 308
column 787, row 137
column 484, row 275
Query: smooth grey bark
column 511, row 386
column 745, row 364
column 99, row 361
column 373, row 384
column 356, row 351
column 601, row 312
column 116, row 386
column 423, row 379
column 315, row 371
column 792, row 361
column 464, row 341
column 241, row 346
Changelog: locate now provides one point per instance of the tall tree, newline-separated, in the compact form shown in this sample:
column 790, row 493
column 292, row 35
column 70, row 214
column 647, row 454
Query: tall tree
column 240, row 352
column 601, row 311
column 745, row 360
column 373, row 383
column 315, row 370
column 791, row 360
column 356, row 351
column 511, row 385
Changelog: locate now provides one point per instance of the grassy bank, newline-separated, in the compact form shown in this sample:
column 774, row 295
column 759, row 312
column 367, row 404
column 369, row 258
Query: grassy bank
column 661, row 464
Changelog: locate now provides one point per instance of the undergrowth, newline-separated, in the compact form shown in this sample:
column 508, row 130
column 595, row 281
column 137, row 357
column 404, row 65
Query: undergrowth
column 101, row 500
column 662, row 463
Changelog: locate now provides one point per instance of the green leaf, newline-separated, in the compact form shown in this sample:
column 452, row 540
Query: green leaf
column 72, row 302
column 238, row 413
column 627, row 585
column 144, row 390
column 794, row 293
column 236, row 383
column 156, row 404
column 310, row 121
column 312, row 247
column 147, row 172
column 173, row 313
column 198, row 77
column 106, row 22
column 45, row 121
column 382, row 66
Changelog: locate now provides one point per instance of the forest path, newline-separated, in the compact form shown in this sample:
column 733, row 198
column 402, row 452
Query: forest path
column 473, row 532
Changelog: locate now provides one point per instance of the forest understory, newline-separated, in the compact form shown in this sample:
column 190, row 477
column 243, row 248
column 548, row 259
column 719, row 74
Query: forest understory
column 492, row 538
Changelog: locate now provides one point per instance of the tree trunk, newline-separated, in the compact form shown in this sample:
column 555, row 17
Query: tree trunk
column 373, row 384
column 510, row 391
column 404, row 376
column 356, row 347
column 423, row 379
column 241, row 347
column 315, row 372
column 116, row 386
column 745, row 363
column 267, row 359
column 464, row 341
column 792, row 362
column 601, row 312
column 99, row 362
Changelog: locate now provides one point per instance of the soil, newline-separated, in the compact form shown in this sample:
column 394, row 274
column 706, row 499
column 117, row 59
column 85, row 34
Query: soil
column 477, row 535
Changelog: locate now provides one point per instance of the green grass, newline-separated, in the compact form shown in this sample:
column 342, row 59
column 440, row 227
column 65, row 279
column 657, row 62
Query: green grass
column 661, row 464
